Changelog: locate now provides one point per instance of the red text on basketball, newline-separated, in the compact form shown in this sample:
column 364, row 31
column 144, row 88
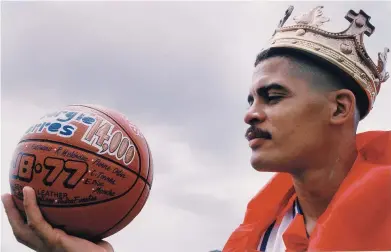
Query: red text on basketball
column 101, row 135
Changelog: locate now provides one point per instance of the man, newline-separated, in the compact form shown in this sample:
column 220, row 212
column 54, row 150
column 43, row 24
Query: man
column 332, row 189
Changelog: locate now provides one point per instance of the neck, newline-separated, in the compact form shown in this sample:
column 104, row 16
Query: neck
column 316, row 186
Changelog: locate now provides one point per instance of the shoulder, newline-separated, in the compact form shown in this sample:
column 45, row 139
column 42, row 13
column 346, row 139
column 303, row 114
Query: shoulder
column 375, row 147
column 367, row 137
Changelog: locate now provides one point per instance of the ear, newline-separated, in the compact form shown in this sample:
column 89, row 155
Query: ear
column 342, row 104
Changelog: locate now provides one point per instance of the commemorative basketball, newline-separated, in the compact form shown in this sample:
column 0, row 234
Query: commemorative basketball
column 90, row 166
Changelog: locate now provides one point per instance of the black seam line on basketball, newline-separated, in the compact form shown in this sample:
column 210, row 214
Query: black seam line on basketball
column 89, row 203
column 126, row 215
column 118, row 124
column 150, row 186
column 88, row 151
column 149, row 152
column 149, row 165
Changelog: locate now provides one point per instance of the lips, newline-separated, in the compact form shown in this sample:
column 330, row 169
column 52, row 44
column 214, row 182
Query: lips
column 256, row 143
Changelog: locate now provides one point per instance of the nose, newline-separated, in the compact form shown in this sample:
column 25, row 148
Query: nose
column 254, row 115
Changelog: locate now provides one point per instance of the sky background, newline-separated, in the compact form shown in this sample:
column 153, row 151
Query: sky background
column 181, row 72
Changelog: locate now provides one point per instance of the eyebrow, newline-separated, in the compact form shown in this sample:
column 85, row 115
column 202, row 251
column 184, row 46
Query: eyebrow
column 265, row 89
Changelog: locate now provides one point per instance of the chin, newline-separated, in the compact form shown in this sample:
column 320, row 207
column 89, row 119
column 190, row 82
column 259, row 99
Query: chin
column 266, row 163
column 260, row 164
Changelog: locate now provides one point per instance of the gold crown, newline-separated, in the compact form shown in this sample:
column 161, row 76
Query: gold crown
column 344, row 49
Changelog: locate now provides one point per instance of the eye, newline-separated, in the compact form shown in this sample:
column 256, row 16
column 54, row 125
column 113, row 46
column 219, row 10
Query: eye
column 250, row 100
column 274, row 99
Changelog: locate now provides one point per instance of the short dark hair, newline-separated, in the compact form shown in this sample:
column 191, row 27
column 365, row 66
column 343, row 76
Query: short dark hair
column 327, row 73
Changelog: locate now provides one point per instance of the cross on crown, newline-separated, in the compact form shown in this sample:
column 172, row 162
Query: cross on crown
column 359, row 23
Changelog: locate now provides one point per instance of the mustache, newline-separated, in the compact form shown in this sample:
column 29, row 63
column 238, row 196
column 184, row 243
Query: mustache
column 254, row 132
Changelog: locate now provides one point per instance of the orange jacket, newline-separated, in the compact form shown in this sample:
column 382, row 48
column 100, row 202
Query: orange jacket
column 357, row 218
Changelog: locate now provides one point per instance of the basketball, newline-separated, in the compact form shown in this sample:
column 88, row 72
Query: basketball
column 91, row 169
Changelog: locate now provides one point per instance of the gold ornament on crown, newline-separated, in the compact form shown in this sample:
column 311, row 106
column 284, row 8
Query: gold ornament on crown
column 344, row 49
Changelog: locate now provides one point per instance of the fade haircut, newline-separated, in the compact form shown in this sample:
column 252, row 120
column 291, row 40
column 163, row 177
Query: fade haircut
column 320, row 73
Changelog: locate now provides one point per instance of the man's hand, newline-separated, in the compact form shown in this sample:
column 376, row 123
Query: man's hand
column 39, row 235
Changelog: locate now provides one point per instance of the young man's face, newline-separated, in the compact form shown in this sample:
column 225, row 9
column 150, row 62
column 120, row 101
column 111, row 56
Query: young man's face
column 291, row 116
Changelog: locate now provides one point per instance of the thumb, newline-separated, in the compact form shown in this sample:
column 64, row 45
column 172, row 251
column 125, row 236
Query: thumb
column 35, row 220
column 106, row 245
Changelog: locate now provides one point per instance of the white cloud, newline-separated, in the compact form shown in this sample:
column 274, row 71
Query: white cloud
column 181, row 72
